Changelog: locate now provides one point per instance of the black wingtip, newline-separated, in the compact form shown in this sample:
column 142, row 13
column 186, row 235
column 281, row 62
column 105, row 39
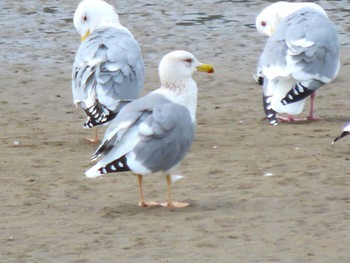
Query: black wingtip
column 297, row 93
column 269, row 112
column 119, row 165
column 98, row 114
column 342, row 135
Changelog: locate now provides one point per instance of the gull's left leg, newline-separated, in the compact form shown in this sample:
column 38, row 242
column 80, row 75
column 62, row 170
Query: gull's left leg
column 95, row 138
column 142, row 202
column 311, row 116
column 171, row 203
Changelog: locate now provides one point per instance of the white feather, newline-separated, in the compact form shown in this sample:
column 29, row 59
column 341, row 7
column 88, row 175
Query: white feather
column 176, row 177
column 279, row 89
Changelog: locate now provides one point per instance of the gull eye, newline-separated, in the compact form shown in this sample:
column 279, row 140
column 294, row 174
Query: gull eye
column 189, row 60
column 263, row 23
column 84, row 18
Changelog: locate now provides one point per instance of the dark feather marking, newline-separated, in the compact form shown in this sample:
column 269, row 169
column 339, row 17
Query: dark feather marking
column 270, row 113
column 97, row 115
column 298, row 93
column 119, row 165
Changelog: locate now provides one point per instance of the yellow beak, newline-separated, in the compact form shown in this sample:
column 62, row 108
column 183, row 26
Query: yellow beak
column 85, row 36
column 206, row 68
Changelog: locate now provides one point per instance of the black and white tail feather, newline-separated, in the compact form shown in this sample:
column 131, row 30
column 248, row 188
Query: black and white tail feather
column 298, row 93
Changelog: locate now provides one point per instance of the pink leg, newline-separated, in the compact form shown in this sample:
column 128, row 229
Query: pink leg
column 95, row 138
column 289, row 118
column 311, row 116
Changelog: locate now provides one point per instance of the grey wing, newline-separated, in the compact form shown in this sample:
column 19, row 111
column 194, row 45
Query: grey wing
column 108, row 68
column 305, row 46
column 165, row 138
column 126, row 124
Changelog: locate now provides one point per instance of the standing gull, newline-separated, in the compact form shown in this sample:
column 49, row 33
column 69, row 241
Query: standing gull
column 108, row 69
column 301, row 55
column 270, row 17
column 154, row 133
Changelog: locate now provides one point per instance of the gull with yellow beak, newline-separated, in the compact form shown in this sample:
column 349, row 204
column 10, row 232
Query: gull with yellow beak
column 108, row 70
column 300, row 56
column 153, row 133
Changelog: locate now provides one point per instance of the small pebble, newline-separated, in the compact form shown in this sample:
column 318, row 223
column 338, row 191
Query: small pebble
column 268, row 174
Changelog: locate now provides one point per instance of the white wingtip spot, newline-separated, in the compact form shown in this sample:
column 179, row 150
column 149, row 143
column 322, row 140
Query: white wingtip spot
column 268, row 174
column 92, row 173
column 273, row 122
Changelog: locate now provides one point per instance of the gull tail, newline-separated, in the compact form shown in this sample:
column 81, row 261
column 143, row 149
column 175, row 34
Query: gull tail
column 297, row 93
column 99, row 169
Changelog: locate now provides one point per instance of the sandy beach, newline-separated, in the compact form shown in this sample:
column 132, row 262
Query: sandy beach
column 258, row 193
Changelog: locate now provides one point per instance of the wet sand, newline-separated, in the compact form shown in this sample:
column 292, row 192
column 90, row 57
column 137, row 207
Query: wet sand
column 51, row 212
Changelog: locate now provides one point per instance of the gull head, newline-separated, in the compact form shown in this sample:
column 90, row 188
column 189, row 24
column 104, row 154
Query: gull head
column 270, row 17
column 92, row 14
column 179, row 66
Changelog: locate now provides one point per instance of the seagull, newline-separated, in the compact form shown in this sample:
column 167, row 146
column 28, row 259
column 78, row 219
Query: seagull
column 153, row 133
column 346, row 131
column 301, row 55
column 108, row 70
column 271, row 16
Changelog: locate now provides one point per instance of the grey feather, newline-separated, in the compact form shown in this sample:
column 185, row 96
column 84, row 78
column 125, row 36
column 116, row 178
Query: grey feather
column 318, row 60
column 172, row 132
column 172, row 138
column 108, row 68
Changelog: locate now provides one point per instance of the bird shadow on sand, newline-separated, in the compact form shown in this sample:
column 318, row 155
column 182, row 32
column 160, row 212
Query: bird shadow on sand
column 132, row 209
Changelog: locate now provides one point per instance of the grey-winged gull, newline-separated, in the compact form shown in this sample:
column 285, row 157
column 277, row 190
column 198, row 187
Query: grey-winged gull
column 154, row 133
column 271, row 16
column 300, row 56
column 108, row 70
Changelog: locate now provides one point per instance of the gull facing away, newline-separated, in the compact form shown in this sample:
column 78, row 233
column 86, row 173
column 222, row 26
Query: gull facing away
column 271, row 16
column 301, row 55
column 108, row 70
column 154, row 133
